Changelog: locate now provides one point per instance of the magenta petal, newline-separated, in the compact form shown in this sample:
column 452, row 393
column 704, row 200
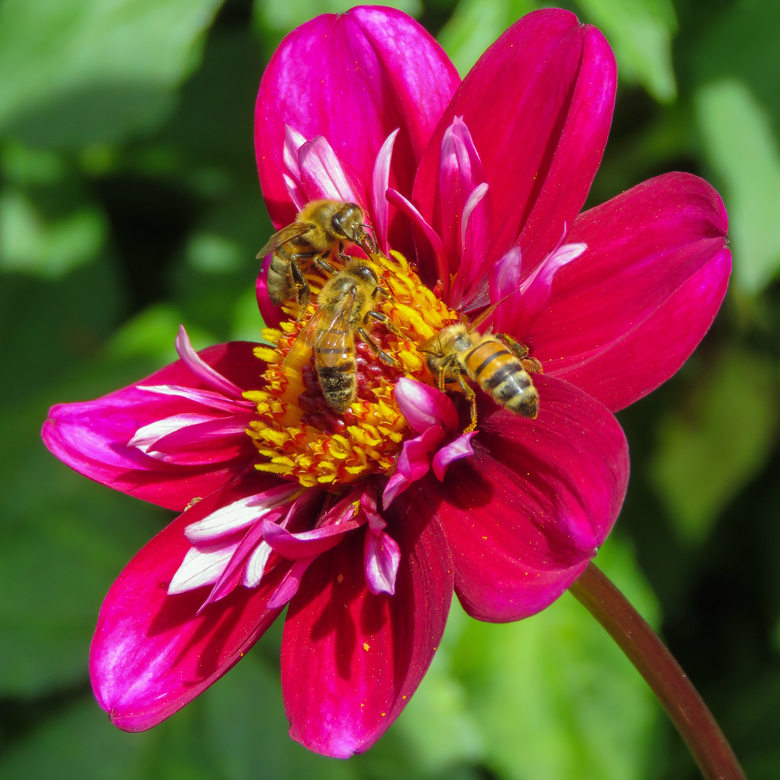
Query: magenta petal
column 290, row 583
column 323, row 175
column 380, row 181
column 413, row 463
column 626, row 315
column 305, row 544
column 541, row 151
column 202, row 370
column 381, row 556
column 455, row 450
column 376, row 70
column 368, row 503
column 151, row 654
column 92, row 437
column 527, row 511
column 204, row 442
column 350, row 659
column 424, row 406
column 272, row 315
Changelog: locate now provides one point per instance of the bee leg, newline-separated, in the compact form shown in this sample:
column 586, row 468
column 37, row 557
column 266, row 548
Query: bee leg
column 472, row 397
column 302, row 291
column 384, row 319
column 324, row 266
column 531, row 365
column 376, row 349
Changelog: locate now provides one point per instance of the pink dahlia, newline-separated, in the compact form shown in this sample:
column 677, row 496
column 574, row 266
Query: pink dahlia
column 362, row 524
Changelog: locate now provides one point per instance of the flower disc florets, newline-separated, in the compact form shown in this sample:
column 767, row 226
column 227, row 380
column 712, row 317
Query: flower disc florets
column 300, row 436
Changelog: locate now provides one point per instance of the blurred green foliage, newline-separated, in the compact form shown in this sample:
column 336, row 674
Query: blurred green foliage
column 129, row 203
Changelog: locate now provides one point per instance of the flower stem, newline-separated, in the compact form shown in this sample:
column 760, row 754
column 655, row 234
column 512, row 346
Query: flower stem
column 662, row 673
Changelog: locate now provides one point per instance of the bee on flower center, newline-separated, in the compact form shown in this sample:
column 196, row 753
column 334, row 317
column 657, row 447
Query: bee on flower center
column 318, row 235
column 496, row 363
column 345, row 308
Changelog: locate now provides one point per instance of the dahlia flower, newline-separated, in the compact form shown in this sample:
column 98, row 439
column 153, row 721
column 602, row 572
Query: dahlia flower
column 362, row 524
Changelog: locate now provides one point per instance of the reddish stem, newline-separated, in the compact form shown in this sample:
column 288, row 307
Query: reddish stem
column 662, row 673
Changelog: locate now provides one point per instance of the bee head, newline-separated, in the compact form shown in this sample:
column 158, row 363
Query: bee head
column 347, row 223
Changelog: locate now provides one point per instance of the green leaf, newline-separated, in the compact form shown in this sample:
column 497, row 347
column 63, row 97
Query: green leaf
column 88, row 71
column 80, row 744
column 555, row 697
column 713, row 444
column 475, row 25
column 32, row 243
column 640, row 32
column 743, row 150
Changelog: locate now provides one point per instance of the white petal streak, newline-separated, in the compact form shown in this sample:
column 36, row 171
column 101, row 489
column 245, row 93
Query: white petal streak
column 200, row 568
column 203, row 370
column 255, row 565
column 146, row 436
column 204, row 397
column 239, row 514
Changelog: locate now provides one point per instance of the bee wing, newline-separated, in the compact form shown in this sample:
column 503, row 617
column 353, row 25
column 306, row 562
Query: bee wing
column 432, row 345
column 327, row 322
column 483, row 315
column 334, row 333
column 289, row 233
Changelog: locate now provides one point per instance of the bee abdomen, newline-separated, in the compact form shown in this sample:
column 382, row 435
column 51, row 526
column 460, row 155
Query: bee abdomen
column 338, row 385
column 280, row 280
column 500, row 373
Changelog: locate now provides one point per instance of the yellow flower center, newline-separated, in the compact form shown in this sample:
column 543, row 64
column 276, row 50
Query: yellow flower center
column 299, row 436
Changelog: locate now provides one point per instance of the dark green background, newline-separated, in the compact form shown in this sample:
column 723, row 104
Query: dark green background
column 129, row 203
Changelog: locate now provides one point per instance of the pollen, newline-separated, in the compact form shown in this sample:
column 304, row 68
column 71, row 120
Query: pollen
column 297, row 433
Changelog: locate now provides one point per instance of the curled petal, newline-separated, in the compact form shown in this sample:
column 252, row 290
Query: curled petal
column 255, row 565
column 366, row 88
column 152, row 653
column 424, row 406
column 290, row 583
column 442, row 265
column 368, row 503
column 293, row 141
column 351, row 659
column 202, row 442
column 413, row 463
column 629, row 312
column 322, row 173
column 203, row 397
column 305, row 544
column 380, row 181
column 475, row 229
column 92, row 437
column 527, row 511
column 202, row 370
column 455, row 450
column 540, row 157
column 381, row 556
column 146, row 436
column 520, row 311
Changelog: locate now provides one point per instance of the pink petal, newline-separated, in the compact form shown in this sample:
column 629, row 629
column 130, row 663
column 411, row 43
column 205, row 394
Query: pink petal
column 455, row 450
column 238, row 515
column 146, row 437
column 202, row 370
column 519, row 312
column 305, row 544
column 381, row 556
column 350, row 659
column 554, row 80
column 204, row 442
column 272, row 315
column 424, row 406
column 626, row 315
column 380, row 181
column 476, row 225
column 290, row 583
column 151, row 655
column 357, row 75
column 527, row 511
column 368, row 503
column 440, row 258
column 92, row 437
column 323, row 175
column 204, row 397
column 413, row 463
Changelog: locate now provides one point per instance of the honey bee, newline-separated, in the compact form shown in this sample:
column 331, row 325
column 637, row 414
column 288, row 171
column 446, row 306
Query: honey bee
column 319, row 233
column 497, row 363
column 345, row 308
